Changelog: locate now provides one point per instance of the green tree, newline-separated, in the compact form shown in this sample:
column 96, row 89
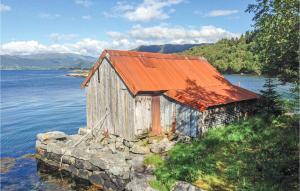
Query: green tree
column 270, row 100
column 229, row 55
column 276, row 37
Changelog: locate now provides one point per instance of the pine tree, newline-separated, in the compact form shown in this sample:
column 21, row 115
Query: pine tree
column 270, row 100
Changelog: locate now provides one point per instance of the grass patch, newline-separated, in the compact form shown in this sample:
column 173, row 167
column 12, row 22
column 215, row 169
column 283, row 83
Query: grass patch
column 154, row 160
column 256, row 154
column 157, row 185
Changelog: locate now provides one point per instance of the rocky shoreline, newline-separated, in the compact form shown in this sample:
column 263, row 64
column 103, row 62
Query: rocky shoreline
column 109, row 162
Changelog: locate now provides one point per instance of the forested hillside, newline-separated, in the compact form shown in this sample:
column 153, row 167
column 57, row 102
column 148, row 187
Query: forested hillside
column 166, row 48
column 229, row 55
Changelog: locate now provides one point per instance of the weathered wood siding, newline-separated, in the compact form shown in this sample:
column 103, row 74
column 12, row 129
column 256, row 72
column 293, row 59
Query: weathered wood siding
column 110, row 94
column 167, row 113
column 192, row 122
column 142, row 117
column 186, row 119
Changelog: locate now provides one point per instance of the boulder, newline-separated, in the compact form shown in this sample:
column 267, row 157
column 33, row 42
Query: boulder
column 137, row 163
column 56, row 148
column 112, row 163
column 162, row 146
column 120, row 146
column 112, row 148
column 140, row 182
column 40, row 145
column 53, row 135
column 183, row 138
column 83, row 131
column 138, row 149
column 185, row 186
column 128, row 144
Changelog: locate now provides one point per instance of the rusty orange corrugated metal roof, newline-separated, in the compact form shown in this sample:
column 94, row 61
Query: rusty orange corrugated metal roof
column 189, row 80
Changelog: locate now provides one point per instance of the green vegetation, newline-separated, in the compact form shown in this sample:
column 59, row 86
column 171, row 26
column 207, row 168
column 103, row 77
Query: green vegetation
column 256, row 154
column 154, row 160
column 230, row 56
column 270, row 102
column 261, row 153
column 276, row 37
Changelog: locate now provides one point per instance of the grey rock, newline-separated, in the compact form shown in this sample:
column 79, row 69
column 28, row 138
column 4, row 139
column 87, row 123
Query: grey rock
column 120, row 146
column 184, row 186
column 157, row 148
column 112, row 163
column 98, row 177
column 111, row 141
column 173, row 137
column 109, row 183
column 138, row 164
column 162, row 146
column 85, row 174
column 56, row 148
column 119, row 139
column 68, row 160
column 112, row 148
column 140, row 182
column 81, row 153
column 83, row 131
column 137, row 149
column 127, row 143
column 96, row 147
column 184, row 138
column 53, row 135
column 71, row 169
column 40, row 145
column 142, row 135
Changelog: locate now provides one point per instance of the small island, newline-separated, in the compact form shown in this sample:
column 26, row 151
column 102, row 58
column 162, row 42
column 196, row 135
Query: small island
column 78, row 73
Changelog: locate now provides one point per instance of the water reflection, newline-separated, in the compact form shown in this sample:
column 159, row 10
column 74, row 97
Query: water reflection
column 53, row 179
column 46, row 178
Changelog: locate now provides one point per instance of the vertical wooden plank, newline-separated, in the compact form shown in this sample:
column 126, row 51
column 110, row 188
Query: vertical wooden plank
column 156, row 128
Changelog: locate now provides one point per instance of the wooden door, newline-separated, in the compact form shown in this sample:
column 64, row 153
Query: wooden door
column 155, row 108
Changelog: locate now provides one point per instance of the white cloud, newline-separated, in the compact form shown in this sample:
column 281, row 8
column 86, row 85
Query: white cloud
column 115, row 34
column 86, row 17
column 146, row 11
column 85, row 47
column 85, row 3
column 166, row 34
column 57, row 37
column 4, row 8
column 136, row 36
column 49, row 16
column 218, row 13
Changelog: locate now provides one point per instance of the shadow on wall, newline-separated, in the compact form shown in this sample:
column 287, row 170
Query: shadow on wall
column 209, row 101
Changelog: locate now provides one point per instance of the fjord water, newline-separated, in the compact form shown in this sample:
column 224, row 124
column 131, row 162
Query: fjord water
column 39, row 101
column 33, row 102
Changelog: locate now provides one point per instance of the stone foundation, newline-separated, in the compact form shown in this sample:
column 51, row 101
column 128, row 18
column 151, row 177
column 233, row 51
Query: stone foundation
column 108, row 161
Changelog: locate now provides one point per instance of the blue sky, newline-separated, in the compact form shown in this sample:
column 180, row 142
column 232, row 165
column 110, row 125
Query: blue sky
column 88, row 26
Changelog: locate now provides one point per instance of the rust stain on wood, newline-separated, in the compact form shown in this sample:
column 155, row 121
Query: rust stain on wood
column 156, row 128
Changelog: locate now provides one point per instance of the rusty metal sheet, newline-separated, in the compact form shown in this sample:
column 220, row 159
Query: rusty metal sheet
column 188, row 80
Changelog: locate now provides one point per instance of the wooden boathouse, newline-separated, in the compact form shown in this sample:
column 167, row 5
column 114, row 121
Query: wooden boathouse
column 139, row 92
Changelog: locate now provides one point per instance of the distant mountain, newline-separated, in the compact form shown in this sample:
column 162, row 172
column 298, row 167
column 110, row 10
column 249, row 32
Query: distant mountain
column 46, row 61
column 167, row 48
column 74, row 61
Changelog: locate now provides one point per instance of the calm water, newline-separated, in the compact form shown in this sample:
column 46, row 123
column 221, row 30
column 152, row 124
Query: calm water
column 38, row 101
column 33, row 102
